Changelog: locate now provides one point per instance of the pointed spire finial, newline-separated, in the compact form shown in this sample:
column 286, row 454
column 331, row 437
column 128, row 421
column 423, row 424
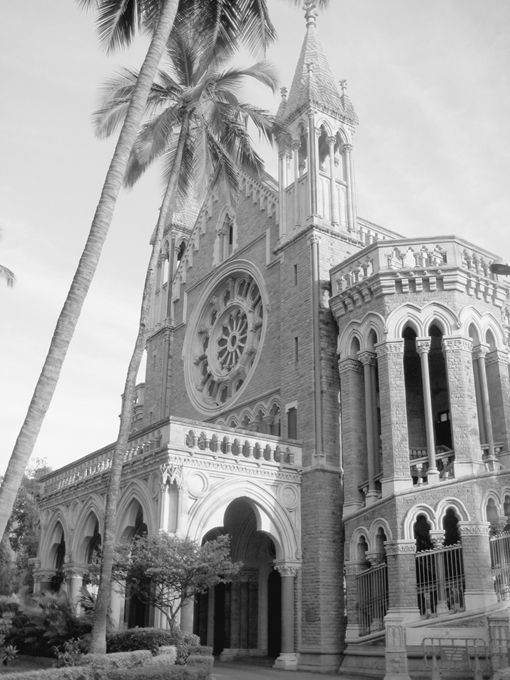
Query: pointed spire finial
column 343, row 86
column 311, row 13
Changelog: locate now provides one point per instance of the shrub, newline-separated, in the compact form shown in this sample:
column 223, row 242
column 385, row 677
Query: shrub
column 69, row 654
column 201, row 661
column 200, row 650
column 138, row 638
column 162, row 673
column 70, row 673
column 121, row 660
column 183, row 643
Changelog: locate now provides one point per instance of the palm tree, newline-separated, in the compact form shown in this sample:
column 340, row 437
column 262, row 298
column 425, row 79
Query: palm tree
column 8, row 275
column 228, row 21
column 197, row 124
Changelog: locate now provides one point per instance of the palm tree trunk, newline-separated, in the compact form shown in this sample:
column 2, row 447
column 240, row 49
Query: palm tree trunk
column 98, row 641
column 66, row 324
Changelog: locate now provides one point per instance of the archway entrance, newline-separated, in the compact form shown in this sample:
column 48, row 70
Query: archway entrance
column 243, row 618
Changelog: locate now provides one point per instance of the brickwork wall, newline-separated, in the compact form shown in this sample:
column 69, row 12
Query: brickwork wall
column 498, row 383
column 477, row 562
column 322, row 570
column 354, row 446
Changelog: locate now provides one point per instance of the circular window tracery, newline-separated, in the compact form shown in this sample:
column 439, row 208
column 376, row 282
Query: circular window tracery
column 227, row 336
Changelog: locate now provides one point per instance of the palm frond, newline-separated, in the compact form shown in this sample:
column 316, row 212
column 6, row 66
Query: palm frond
column 8, row 275
column 117, row 22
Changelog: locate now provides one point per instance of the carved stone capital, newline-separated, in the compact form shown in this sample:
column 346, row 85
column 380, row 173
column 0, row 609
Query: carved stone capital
column 331, row 140
column 423, row 345
column 369, row 358
column 296, row 144
column 314, row 238
column 480, row 351
column 437, row 537
column 347, row 148
column 498, row 524
column 375, row 557
column 404, row 547
column 345, row 365
column 287, row 569
column 170, row 473
column 390, row 347
column 497, row 356
column 474, row 528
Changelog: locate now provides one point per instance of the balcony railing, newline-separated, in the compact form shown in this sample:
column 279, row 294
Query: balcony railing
column 181, row 436
column 500, row 562
column 440, row 581
column 372, row 598
column 419, row 464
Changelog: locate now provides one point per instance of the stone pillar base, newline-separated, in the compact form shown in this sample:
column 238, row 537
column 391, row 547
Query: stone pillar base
column 395, row 484
column 479, row 599
column 228, row 654
column 467, row 468
column 287, row 661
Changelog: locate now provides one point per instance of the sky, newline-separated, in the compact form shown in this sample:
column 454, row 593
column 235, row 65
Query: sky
column 430, row 82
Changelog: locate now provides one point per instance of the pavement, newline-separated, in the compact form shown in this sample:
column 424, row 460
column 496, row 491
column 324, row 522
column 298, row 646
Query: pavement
column 247, row 671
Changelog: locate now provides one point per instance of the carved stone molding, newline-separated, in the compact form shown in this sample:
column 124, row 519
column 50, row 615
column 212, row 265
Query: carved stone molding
column 400, row 547
column 314, row 238
column 347, row 148
column 375, row 557
column 354, row 568
column 456, row 344
column 390, row 347
column 437, row 537
column 480, row 351
column 242, row 467
column 171, row 473
column 498, row 524
column 497, row 356
column 474, row 528
column 346, row 365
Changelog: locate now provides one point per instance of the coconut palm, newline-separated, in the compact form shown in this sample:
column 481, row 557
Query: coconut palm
column 195, row 122
column 8, row 275
column 227, row 22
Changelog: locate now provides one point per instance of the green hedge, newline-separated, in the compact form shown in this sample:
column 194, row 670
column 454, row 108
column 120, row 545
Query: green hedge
column 139, row 638
column 201, row 661
column 68, row 673
column 201, row 651
column 139, row 657
column 158, row 672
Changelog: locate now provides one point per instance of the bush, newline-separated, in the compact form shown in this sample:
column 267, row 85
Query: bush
column 138, row 638
column 201, row 661
column 118, row 659
column 200, row 650
column 183, row 643
column 70, row 673
column 162, row 673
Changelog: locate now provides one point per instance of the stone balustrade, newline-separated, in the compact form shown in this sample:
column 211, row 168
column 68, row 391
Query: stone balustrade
column 413, row 265
column 184, row 437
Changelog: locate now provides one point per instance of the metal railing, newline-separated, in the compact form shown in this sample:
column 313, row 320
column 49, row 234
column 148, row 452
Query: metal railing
column 440, row 581
column 372, row 599
column 500, row 563
column 469, row 656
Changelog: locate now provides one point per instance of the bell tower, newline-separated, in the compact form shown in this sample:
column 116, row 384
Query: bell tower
column 316, row 173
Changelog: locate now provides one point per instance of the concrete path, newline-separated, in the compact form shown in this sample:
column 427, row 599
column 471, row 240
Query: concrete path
column 245, row 671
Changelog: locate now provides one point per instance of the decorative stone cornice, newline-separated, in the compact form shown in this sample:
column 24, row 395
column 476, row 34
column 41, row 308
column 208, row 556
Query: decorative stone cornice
column 474, row 528
column 389, row 347
column 404, row 547
column 369, row 358
column 354, row 568
column 457, row 344
column 497, row 356
column 345, row 365
column 241, row 467
column 170, row 473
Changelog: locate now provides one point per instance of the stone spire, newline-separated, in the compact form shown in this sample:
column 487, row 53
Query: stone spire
column 313, row 83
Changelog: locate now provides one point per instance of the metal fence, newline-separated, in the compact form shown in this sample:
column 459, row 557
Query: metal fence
column 372, row 599
column 500, row 562
column 440, row 581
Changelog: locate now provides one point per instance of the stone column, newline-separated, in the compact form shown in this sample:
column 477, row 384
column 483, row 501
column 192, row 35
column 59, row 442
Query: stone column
column 498, row 382
column 353, row 435
column 479, row 354
column 368, row 359
column 352, row 569
column 283, row 193
column 313, row 160
column 74, row 579
column 402, row 595
column 477, row 565
column 187, row 615
column 288, row 659
column 349, row 178
column 296, row 145
column 463, row 412
column 395, row 439
column 332, row 174
column 211, row 604
column 423, row 348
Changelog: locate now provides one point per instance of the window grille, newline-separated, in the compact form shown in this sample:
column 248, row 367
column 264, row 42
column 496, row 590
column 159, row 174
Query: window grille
column 500, row 562
column 440, row 581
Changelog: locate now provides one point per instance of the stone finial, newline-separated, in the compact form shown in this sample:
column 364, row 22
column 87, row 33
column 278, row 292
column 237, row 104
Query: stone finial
column 310, row 64
column 283, row 92
column 311, row 13
column 343, row 86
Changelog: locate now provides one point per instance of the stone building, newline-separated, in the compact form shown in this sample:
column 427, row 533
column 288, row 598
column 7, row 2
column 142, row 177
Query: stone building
column 331, row 394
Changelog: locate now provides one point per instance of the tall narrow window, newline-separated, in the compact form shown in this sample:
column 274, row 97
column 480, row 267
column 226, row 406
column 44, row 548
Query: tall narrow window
column 292, row 423
column 295, row 274
column 296, row 350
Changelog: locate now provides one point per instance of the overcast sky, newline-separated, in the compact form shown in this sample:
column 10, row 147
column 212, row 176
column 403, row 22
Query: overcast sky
column 430, row 82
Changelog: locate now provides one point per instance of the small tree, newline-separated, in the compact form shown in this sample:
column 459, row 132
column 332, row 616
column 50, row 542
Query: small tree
column 165, row 571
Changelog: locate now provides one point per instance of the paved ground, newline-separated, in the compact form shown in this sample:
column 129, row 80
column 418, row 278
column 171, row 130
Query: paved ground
column 245, row 671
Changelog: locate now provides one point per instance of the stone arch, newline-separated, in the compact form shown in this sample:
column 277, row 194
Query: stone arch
column 412, row 515
column 379, row 523
column 357, row 535
column 58, row 519
column 84, row 533
column 271, row 516
column 135, row 492
column 484, row 323
column 421, row 318
column 57, row 544
column 457, row 505
column 491, row 499
column 361, row 329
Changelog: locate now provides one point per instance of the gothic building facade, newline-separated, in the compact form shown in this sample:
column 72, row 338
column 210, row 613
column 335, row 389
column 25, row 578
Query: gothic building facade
column 334, row 396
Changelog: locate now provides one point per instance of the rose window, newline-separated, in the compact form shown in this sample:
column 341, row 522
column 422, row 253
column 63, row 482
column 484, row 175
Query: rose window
column 228, row 337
